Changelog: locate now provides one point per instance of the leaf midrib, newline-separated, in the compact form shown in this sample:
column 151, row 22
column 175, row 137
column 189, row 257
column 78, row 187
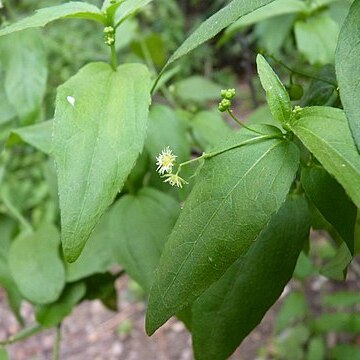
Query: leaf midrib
column 212, row 217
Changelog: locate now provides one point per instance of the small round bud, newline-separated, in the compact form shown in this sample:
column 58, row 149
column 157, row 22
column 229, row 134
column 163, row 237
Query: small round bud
column 297, row 111
column 224, row 105
column 228, row 94
column 109, row 30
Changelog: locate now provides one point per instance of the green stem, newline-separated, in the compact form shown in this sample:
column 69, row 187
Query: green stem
column 230, row 112
column 56, row 353
column 302, row 73
column 215, row 153
column 22, row 335
column 114, row 62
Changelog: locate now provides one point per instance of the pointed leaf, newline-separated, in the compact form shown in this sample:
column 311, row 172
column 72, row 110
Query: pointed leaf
column 72, row 9
column 277, row 97
column 232, row 201
column 325, row 132
column 347, row 59
column 36, row 265
column 332, row 202
column 226, row 313
column 99, row 131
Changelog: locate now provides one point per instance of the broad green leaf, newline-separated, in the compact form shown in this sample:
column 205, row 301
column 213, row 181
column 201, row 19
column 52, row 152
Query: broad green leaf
column 99, row 131
column 348, row 59
column 209, row 129
column 226, row 313
column 166, row 129
column 235, row 196
column 98, row 255
column 197, row 89
column 141, row 225
column 39, row 135
column 277, row 97
column 212, row 26
column 72, row 9
column 325, row 132
column 323, row 32
column 52, row 314
column 25, row 71
column 332, row 202
column 276, row 8
column 36, row 266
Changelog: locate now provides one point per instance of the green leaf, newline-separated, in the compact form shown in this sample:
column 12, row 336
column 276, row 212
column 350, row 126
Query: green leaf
column 138, row 248
column 39, row 136
column 166, row 129
column 99, row 131
column 98, row 255
column 325, row 132
column 23, row 58
column 347, row 59
column 323, row 32
column 72, row 9
column 7, row 112
column 276, row 8
column 235, row 195
column 209, row 129
column 197, row 89
column 226, row 313
column 212, row 26
column 276, row 94
column 332, row 202
column 128, row 8
column 52, row 314
column 36, row 266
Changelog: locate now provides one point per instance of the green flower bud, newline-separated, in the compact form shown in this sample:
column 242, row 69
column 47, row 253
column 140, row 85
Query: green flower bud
column 224, row 105
column 228, row 94
column 296, row 92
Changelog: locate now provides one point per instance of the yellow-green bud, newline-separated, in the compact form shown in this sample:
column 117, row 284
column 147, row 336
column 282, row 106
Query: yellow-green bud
column 224, row 105
column 228, row 94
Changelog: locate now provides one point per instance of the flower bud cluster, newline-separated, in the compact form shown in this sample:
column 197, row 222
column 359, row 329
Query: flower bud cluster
column 109, row 32
column 227, row 96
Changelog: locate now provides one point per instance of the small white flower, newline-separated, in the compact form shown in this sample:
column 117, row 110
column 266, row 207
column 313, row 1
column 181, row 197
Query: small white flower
column 165, row 161
column 71, row 100
column 175, row 180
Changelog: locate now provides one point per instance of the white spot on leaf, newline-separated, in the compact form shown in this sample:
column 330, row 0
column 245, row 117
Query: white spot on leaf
column 71, row 100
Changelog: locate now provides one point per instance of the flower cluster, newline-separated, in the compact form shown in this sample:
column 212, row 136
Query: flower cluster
column 165, row 162
column 227, row 96
column 109, row 32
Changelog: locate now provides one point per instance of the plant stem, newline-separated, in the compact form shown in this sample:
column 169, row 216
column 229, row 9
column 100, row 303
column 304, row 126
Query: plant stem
column 56, row 353
column 230, row 112
column 22, row 335
column 114, row 62
column 302, row 73
column 215, row 153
